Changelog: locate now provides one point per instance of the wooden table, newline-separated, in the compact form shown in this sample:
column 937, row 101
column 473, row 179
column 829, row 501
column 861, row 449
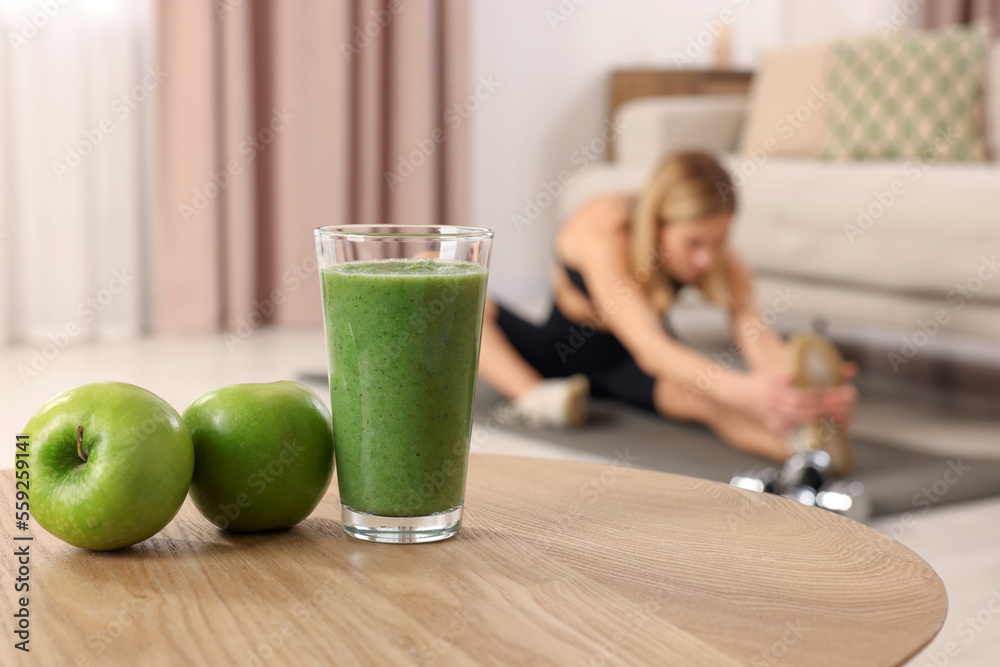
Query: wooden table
column 558, row 563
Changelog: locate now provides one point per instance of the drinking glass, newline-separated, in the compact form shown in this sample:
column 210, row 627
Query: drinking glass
column 403, row 316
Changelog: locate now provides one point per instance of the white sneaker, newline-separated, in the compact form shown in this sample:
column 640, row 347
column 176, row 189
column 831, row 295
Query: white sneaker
column 555, row 402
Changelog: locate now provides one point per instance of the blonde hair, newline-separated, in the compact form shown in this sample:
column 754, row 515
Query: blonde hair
column 686, row 186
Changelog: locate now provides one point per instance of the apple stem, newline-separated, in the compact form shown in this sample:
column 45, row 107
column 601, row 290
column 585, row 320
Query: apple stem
column 79, row 444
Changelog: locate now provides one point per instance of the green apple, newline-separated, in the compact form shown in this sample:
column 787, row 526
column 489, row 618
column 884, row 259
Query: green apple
column 263, row 454
column 110, row 465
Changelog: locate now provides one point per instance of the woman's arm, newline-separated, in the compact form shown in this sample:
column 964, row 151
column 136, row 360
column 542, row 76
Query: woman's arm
column 622, row 305
column 763, row 349
column 760, row 346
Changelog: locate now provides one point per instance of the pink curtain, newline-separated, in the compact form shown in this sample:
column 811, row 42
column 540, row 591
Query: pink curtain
column 939, row 13
column 280, row 116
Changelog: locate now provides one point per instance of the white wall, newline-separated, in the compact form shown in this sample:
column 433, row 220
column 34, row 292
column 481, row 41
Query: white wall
column 553, row 59
column 808, row 21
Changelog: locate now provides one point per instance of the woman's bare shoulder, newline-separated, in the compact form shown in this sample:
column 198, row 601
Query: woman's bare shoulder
column 605, row 212
column 596, row 223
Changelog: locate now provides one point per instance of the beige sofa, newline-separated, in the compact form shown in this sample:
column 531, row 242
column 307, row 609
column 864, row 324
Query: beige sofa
column 899, row 247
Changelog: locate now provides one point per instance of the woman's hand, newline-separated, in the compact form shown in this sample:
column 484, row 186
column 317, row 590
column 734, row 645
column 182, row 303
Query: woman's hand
column 838, row 403
column 778, row 403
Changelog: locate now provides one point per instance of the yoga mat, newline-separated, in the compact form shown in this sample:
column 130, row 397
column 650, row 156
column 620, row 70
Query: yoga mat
column 896, row 479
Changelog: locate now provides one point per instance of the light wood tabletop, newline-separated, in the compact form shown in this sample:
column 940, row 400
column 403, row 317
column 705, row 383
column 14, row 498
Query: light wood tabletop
column 557, row 563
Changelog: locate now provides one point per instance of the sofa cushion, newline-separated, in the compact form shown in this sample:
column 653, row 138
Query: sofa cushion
column 651, row 127
column 907, row 95
column 907, row 228
column 787, row 97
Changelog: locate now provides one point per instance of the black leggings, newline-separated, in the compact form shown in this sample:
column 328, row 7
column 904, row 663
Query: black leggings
column 561, row 347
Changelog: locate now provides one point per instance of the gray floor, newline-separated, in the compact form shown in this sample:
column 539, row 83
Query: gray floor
column 896, row 479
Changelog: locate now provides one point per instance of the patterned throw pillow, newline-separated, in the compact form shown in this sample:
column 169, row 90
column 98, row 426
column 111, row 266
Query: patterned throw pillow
column 908, row 96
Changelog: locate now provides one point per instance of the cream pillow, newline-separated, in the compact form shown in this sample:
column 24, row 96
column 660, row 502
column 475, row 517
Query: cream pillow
column 787, row 101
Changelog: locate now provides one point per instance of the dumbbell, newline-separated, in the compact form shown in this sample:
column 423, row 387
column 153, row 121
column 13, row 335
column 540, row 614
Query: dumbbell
column 801, row 494
column 812, row 469
column 846, row 499
column 807, row 478
column 762, row 479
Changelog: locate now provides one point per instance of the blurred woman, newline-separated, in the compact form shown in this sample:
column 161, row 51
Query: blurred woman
column 619, row 262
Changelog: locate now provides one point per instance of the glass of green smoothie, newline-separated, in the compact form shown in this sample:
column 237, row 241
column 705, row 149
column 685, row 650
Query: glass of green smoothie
column 403, row 314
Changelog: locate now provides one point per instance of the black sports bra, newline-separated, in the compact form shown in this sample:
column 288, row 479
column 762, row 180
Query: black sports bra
column 576, row 279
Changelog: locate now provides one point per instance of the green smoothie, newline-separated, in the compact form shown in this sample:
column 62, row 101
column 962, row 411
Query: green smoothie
column 403, row 344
